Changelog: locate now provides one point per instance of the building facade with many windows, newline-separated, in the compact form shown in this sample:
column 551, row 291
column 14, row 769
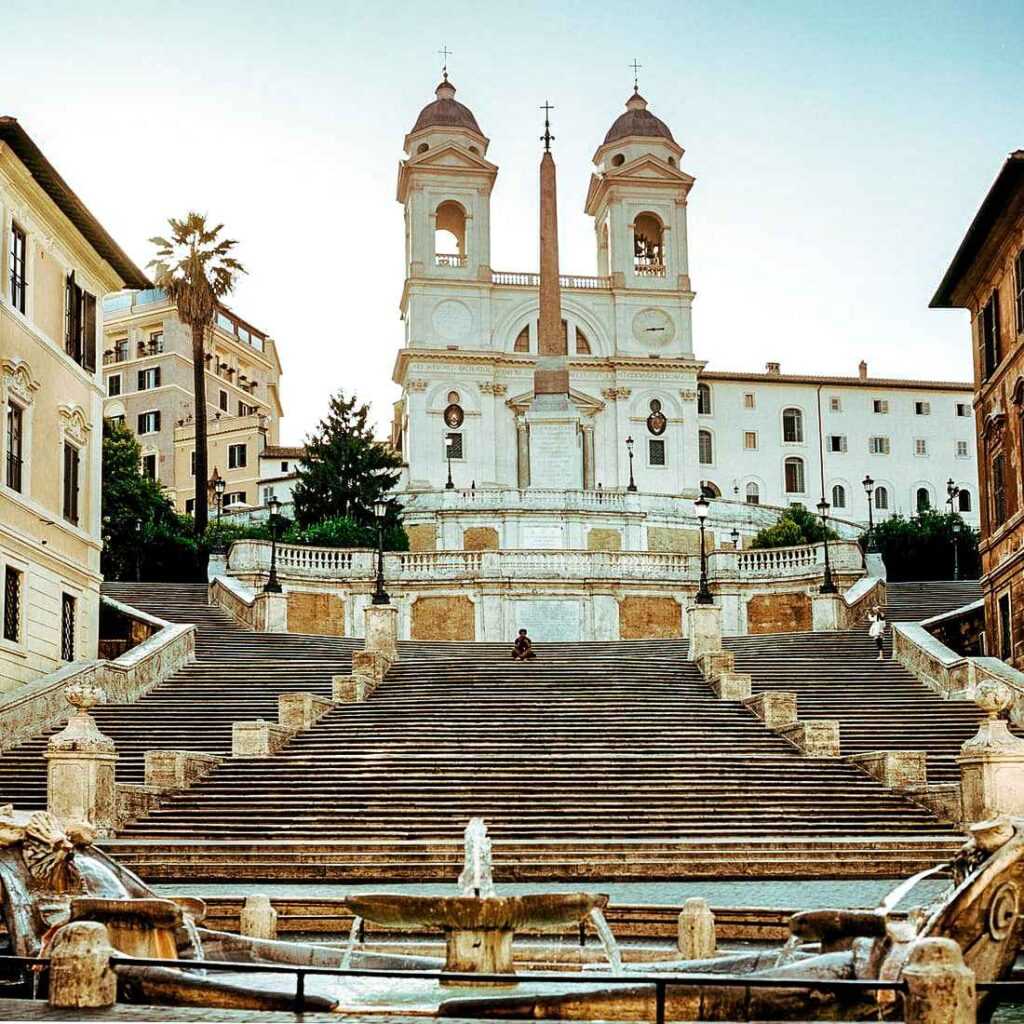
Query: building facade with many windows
column 56, row 264
column 147, row 374
column 986, row 278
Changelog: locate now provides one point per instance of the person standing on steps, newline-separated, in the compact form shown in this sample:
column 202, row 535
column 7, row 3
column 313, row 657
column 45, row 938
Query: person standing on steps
column 522, row 647
column 876, row 629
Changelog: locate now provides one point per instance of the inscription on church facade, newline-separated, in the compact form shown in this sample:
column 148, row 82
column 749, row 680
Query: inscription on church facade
column 555, row 460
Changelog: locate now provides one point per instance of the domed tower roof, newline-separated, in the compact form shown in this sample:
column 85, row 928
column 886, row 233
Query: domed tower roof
column 637, row 120
column 446, row 112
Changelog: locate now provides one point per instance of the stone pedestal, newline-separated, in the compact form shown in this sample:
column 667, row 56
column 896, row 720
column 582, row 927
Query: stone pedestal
column 479, row 952
column 704, row 629
column 992, row 761
column 556, row 461
column 80, row 971
column 696, row 938
column 258, row 919
column 80, row 765
column 825, row 612
column 381, row 625
column 776, row 708
column 940, row 987
column 270, row 613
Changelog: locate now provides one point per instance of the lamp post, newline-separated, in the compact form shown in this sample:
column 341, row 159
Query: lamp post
column 272, row 586
column 700, row 507
column 869, row 490
column 629, row 448
column 380, row 595
column 827, row 586
column 138, row 550
column 952, row 491
column 219, row 485
column 450, row 485
column 956, row 551
column 735, row 534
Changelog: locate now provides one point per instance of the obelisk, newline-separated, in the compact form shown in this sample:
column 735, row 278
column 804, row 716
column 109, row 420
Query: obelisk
column 555, row 459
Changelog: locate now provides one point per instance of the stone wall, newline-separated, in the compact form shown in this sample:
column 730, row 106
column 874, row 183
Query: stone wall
column 480, row 538
column 670, row 538
column 643, row 618
column 422, row 537
column 443, row 618
column 604, row 540
column 778, row 613
column 323, row 614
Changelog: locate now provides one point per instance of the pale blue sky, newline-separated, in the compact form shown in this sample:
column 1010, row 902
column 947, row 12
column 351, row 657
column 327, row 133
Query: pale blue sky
column 840, row 151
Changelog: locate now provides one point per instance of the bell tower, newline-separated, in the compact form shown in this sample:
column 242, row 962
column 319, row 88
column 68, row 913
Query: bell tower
column 445, row 184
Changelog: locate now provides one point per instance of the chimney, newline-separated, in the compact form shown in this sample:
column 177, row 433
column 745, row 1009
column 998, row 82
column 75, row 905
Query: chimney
column 773, row 369
column 863, row 370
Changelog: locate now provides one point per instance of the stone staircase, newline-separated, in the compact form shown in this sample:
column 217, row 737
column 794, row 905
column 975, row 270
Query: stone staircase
column 597, row 761
column 912, row 602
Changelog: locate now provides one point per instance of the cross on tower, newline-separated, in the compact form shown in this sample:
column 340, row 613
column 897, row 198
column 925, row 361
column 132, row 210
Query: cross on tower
column 636, row 70
column 445, row 53
column 547, row 138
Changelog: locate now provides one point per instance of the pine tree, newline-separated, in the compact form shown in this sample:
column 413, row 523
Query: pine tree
column 345, row 470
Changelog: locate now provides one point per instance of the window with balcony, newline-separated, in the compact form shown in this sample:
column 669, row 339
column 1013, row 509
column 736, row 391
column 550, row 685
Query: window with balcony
column 72, row 467
column 12, row 604
column 705, row 448
column 990, row 341
column 794, row 473
column 149, row 422
column 114, row 385
column 148, row 379
column 19, row 282
column 792, row 426
column 15, row 445
column 79, row 324
column 237, row 456
column 703, row 400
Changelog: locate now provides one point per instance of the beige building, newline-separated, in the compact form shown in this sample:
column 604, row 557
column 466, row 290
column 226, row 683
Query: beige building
column 56, row 263
column 147, row 375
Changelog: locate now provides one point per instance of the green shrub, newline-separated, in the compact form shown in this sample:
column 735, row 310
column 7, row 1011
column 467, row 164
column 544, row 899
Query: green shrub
column 797, row 525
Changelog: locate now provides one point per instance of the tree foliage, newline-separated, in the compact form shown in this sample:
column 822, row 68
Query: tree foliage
column 796, row 525
column 196, row 270
column 345, row 471
column 921, row 547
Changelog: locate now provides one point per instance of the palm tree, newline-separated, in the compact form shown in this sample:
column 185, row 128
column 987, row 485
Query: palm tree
column 194, row 267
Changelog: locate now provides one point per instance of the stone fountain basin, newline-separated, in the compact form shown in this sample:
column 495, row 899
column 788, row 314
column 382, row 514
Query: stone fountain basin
column 540, row 911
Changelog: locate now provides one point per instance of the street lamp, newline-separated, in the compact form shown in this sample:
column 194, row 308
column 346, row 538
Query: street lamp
column 956, row 550
column 219, row 485
column 448, row 443
column 869, row 490
column 952, row 491
column 138, row 550
column 629, row 448
column 827, row 586
column 274, row 504
column 700, row 507
column 380, row 510
column 735, row 534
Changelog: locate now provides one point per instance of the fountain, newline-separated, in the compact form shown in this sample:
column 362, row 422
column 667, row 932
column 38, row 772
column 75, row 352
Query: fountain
column 478, row 925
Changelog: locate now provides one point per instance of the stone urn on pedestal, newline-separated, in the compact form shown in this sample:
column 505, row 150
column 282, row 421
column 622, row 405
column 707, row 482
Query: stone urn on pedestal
column 80, row 771
column 992, row 761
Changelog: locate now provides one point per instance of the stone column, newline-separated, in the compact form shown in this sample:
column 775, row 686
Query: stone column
column 258, row 919
column 940, row 987
column 522, row 454
column 588, row 456
column 80, row 971
column 381, row 627
column 704, row 628
column 992, row 761
column 80, row 769
column 696, row 938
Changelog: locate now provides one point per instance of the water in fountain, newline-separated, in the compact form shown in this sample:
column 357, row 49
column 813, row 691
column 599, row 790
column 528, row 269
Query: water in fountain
column 611, row 947
column 353, row 938
column 476, row 879
column 195, row 941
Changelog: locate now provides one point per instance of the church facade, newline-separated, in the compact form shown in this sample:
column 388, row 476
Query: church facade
column 643, row 428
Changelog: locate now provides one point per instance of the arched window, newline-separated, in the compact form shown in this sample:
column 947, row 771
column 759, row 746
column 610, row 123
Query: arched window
column 965, row 500
column 648, row 253
column 922, row 499
column 450, row 235
column 792, row 426
column 703, row 400
column 838, row 496
column 705, row 448
column 522, row 340
column 794, row 475
column 882, row 498
column 582, row 343
column 753, row 494
column 710, row 489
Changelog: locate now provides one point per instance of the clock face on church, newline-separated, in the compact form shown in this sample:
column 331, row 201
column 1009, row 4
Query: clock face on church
column 653, row 327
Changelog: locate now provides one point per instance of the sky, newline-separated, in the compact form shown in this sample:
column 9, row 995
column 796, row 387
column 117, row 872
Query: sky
column 840, row 151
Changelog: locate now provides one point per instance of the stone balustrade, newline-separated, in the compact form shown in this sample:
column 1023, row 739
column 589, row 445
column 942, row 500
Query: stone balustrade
column 258, row 610
column 170, row 770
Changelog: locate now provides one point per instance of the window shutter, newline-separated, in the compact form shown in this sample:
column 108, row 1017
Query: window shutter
column 156, row 417
column 89, row 332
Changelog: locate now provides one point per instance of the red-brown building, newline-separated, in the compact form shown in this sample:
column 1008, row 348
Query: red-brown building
column 986, row 277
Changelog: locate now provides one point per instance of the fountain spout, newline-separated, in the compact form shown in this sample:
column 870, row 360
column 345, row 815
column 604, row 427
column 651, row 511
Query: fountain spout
column 476, row 878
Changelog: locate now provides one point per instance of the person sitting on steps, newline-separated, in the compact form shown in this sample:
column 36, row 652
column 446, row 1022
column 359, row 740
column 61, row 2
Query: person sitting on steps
column 522, row 648
column 876, row 629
